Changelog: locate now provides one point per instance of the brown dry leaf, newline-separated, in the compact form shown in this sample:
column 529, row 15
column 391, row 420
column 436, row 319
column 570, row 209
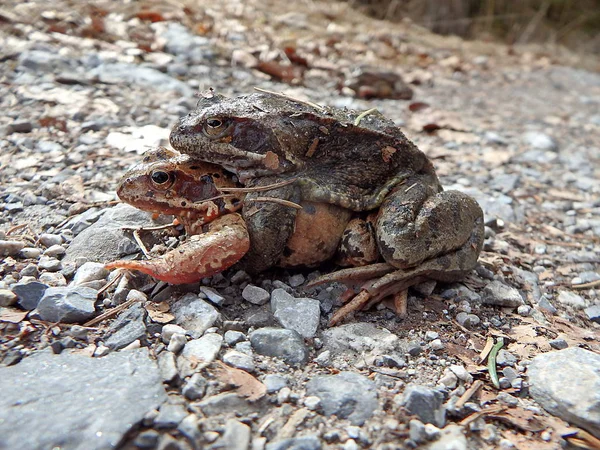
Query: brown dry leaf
column 285, row 73
column 521, row 418
column 271, row 160
column 245, row 384
column 159, row 312
column 12, row 315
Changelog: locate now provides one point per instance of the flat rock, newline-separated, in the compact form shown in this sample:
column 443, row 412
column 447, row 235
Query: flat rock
column 296, row 443
column 423, row 402
column 29, row 294
column 194, row 314
column 571, row 299
column 348, row 395
column 255, row 295
column 566, row 383
column 224, row 403
column 128, row 327
column 280, row 343
column 236, row 436
column 298, row 314
column 67, row 304
column 593, row 313
column 199, row 353
column 497, row 293
column 90, row 271
column 73, row 401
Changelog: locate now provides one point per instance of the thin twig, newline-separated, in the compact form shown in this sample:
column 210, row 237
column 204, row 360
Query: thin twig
column 268, row 187
column 591, row 284
column 468, row 394
column 484, row 412
column 15, row 228
column 138, row 240
column 107, row 286
column 113, row 312
column 289, row 97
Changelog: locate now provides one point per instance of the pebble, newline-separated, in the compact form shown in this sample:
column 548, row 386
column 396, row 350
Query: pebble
column 540, row 141
column 50, row 264
column 147, row 439
column 507, row 399
column 296, row 280
column 468, row 320
column 10, row 248
column 194, row 314
column 280, row 343
column 67, row 304
column 55, row 250
column 274, row 382
column 545, row 304
column 348, row 395
column 566, row 383
column 169, row 330
column 244, row 347
column 283, row 395
column 437, row 345
column 169, row 416
column 296, row 443
column 558, row 344
column 451, row 437
column 29, row 294
column 236, row 436
column 497, row 293
column 423, row 402
column 53, row 279
column 571, row 299
column 524, row 310
column 167, row 366
column 224, row 403
column 176, row 343
column 127, row 328
column 416, row 431
column 239, row 360
column 298, row 314
column 189, row 427
column 232, row 337
column 90, row 271
column 431, row 335
column 30, row 253
column 199, row 353
column 212, row 295
column 195, row 387
column 7, row 298
column 255, row 295
column 461, row 373
column 593, row 313
column 505, row 358
column 312, row 403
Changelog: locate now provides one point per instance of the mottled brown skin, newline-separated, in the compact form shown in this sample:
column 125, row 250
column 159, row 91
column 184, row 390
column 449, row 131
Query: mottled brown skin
column 360, row 162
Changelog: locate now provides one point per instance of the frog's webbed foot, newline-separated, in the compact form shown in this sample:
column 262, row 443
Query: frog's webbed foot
column 203, row 255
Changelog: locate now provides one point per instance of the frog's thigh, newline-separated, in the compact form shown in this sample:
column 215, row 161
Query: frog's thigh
column 441, row 225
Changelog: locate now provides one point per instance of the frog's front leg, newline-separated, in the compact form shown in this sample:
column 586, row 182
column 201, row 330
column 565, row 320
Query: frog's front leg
column 202, row 255
column 270, row 224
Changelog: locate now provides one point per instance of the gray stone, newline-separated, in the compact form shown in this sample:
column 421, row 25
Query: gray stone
column 558, row 344
column 296, row 443
column 43, row 61
column 425, row 403
column 506, row 358
column 312, row 403
column 29, row 294
column 274, row 382
column 176, row 343
column 296, row 280
column 30, row 253
column 540, row 141
column 224, row 403
column 67, row 304
column 593, row 313
column 239, row 360
column 105, row 240
column 236, row 436
column 7, row 298
column 194, row 314
column 348, row 395
column 128, row 327
column 212, row 295
column 416, row 431
column 169, row 416
column 169, row 330
column 298, row 314
column 189, row 427
column 55, row 250
column 232, row 337
column 571, row 299
column 199, row 353
column 167, row 366
column 280, row 343
column 566, row 383
column 451, row 437
column 90, row 271
column 145, row 77
column 147, row 439
column 10, row 248
column 255, row 295
column 195, row 387
column 497, row 293
column 93, row 402
column 545, row 304
column 468, row 320
column 50, row 264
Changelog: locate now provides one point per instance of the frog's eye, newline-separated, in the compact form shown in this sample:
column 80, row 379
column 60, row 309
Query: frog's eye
column 214, row 127
column 161, row 178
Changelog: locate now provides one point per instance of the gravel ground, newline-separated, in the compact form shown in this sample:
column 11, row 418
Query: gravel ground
column 248, row 362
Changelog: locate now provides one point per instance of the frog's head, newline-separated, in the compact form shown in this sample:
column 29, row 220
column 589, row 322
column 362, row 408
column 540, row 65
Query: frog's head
column 242, row 134
column 166, row 182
